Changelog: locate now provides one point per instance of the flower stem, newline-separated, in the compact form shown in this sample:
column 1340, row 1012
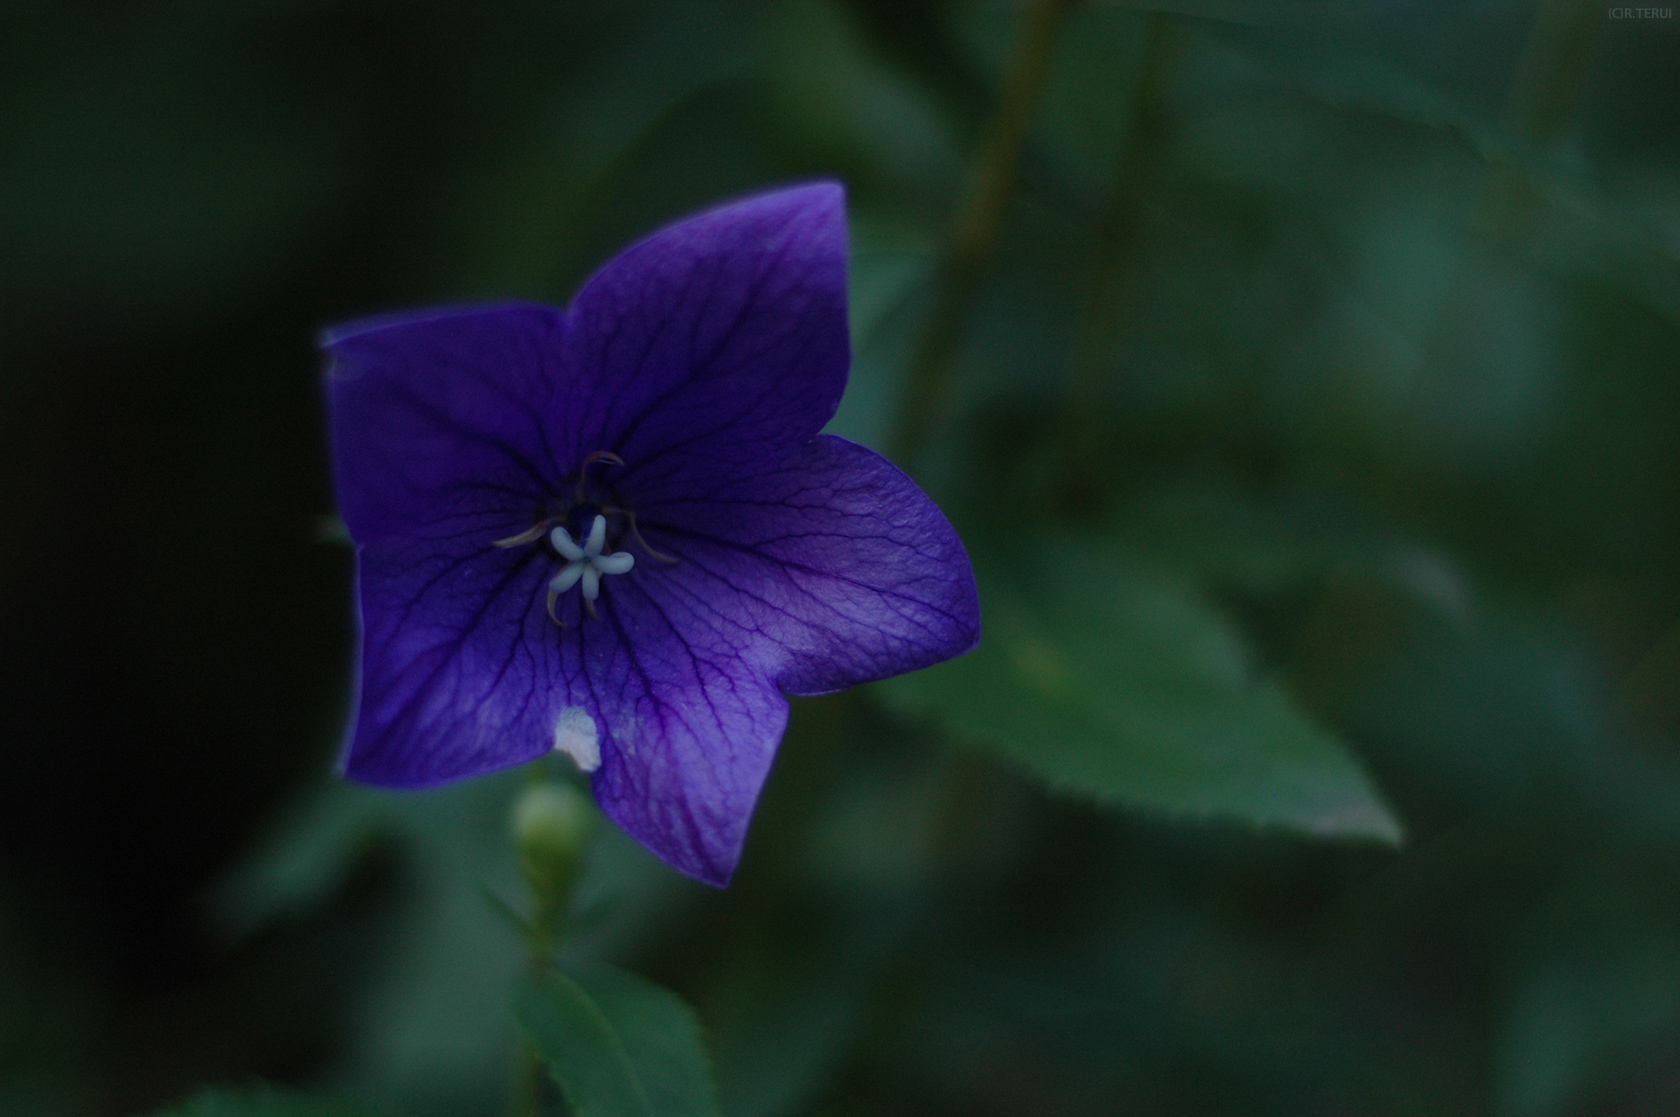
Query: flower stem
column 1542, row 96
column 552, row 827
column 1108, row 312
column 533, row 1076
column 964, row 258
column 1554, row 62
column 531, row 1086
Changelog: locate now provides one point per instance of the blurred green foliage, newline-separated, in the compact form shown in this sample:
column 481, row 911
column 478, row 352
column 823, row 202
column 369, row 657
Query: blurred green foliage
column 1313, row 420
column 618, row 1044
column 264, row 1101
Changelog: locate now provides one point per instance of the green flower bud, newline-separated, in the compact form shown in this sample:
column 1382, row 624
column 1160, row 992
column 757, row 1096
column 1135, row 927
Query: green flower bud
column 552, row 825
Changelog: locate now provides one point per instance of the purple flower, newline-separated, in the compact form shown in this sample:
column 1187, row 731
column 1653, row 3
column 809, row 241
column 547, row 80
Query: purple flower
column 615, row 530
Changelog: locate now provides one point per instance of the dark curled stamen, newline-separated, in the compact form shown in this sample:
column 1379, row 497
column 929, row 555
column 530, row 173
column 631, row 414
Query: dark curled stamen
column 636, row 533
column 583, row 470
column 529, row 535
column 553, row 596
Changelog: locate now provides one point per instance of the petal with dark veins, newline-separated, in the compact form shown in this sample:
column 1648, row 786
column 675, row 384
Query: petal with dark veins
column 444, row 417
column 460, row 667
column 833, row 570
column 716, row 344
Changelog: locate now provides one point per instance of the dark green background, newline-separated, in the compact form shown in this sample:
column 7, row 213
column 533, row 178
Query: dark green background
column 1327, row 356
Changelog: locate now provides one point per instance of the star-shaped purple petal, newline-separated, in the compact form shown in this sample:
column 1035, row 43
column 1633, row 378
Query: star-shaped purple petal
column 736, row 556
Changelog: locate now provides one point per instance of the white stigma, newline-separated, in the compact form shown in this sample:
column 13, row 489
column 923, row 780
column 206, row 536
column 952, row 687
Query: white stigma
column 586, row 564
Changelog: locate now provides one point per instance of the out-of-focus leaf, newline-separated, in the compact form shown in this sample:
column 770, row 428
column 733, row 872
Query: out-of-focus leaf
column 892, row 264
column 1587, row 236
column 264, row 1101
column 305, row 861
column 1115, row 682
column 1211, row 530
column 618, row 1045
column 784, row 1056
column 431, row 1024
column 889, row 261
column 844, row 107
column 1352, row 69
column 1578, row 1016
column 1600, row 989
column 1586, row 232
column 581, row 1047
column 1246, row 13
column 1427, row 344
column 662, row 1037
column 516, row 219
column 1473, row 711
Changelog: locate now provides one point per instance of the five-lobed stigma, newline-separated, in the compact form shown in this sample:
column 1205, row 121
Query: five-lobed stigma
column 585, row 564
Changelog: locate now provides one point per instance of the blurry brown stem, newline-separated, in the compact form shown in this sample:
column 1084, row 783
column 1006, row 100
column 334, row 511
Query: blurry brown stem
column 533, row 1076
column 1542, row 96
column 1554, row 60
column 1109, row 309
column 976, row 229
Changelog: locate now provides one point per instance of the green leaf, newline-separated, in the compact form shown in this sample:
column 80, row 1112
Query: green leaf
column 1117, row 682
column 663, row 1039
column 618, row 1045
column 436, row 1002
column 1592, row 994
column 581, row 1047
column 262, row 1101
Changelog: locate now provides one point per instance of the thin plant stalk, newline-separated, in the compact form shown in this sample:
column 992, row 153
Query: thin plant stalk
column 1108, row 309
column 975, row 232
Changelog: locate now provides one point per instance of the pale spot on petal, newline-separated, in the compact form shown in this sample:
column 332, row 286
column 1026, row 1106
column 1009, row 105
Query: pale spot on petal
column 576, row 736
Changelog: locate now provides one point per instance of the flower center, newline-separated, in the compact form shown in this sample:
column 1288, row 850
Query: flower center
column 591, row 504
column 586, row 564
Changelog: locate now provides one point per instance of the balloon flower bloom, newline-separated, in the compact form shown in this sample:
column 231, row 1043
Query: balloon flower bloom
column 615, row 531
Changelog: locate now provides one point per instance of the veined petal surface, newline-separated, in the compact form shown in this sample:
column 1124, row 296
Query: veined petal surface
column 459, row 662
column 832, row 570
column 834, row 560
column 690, row 723
column 829, row 571
column 716, row 345
column 443, row 421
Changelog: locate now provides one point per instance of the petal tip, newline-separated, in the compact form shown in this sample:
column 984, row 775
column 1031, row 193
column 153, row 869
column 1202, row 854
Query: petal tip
column 711, row 859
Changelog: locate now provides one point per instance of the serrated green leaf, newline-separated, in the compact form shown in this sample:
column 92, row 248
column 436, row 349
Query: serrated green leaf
column 263, row 1101
column 663, row 1039
column 1112, row 681
column 581, row 1048
column 618, row 1045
